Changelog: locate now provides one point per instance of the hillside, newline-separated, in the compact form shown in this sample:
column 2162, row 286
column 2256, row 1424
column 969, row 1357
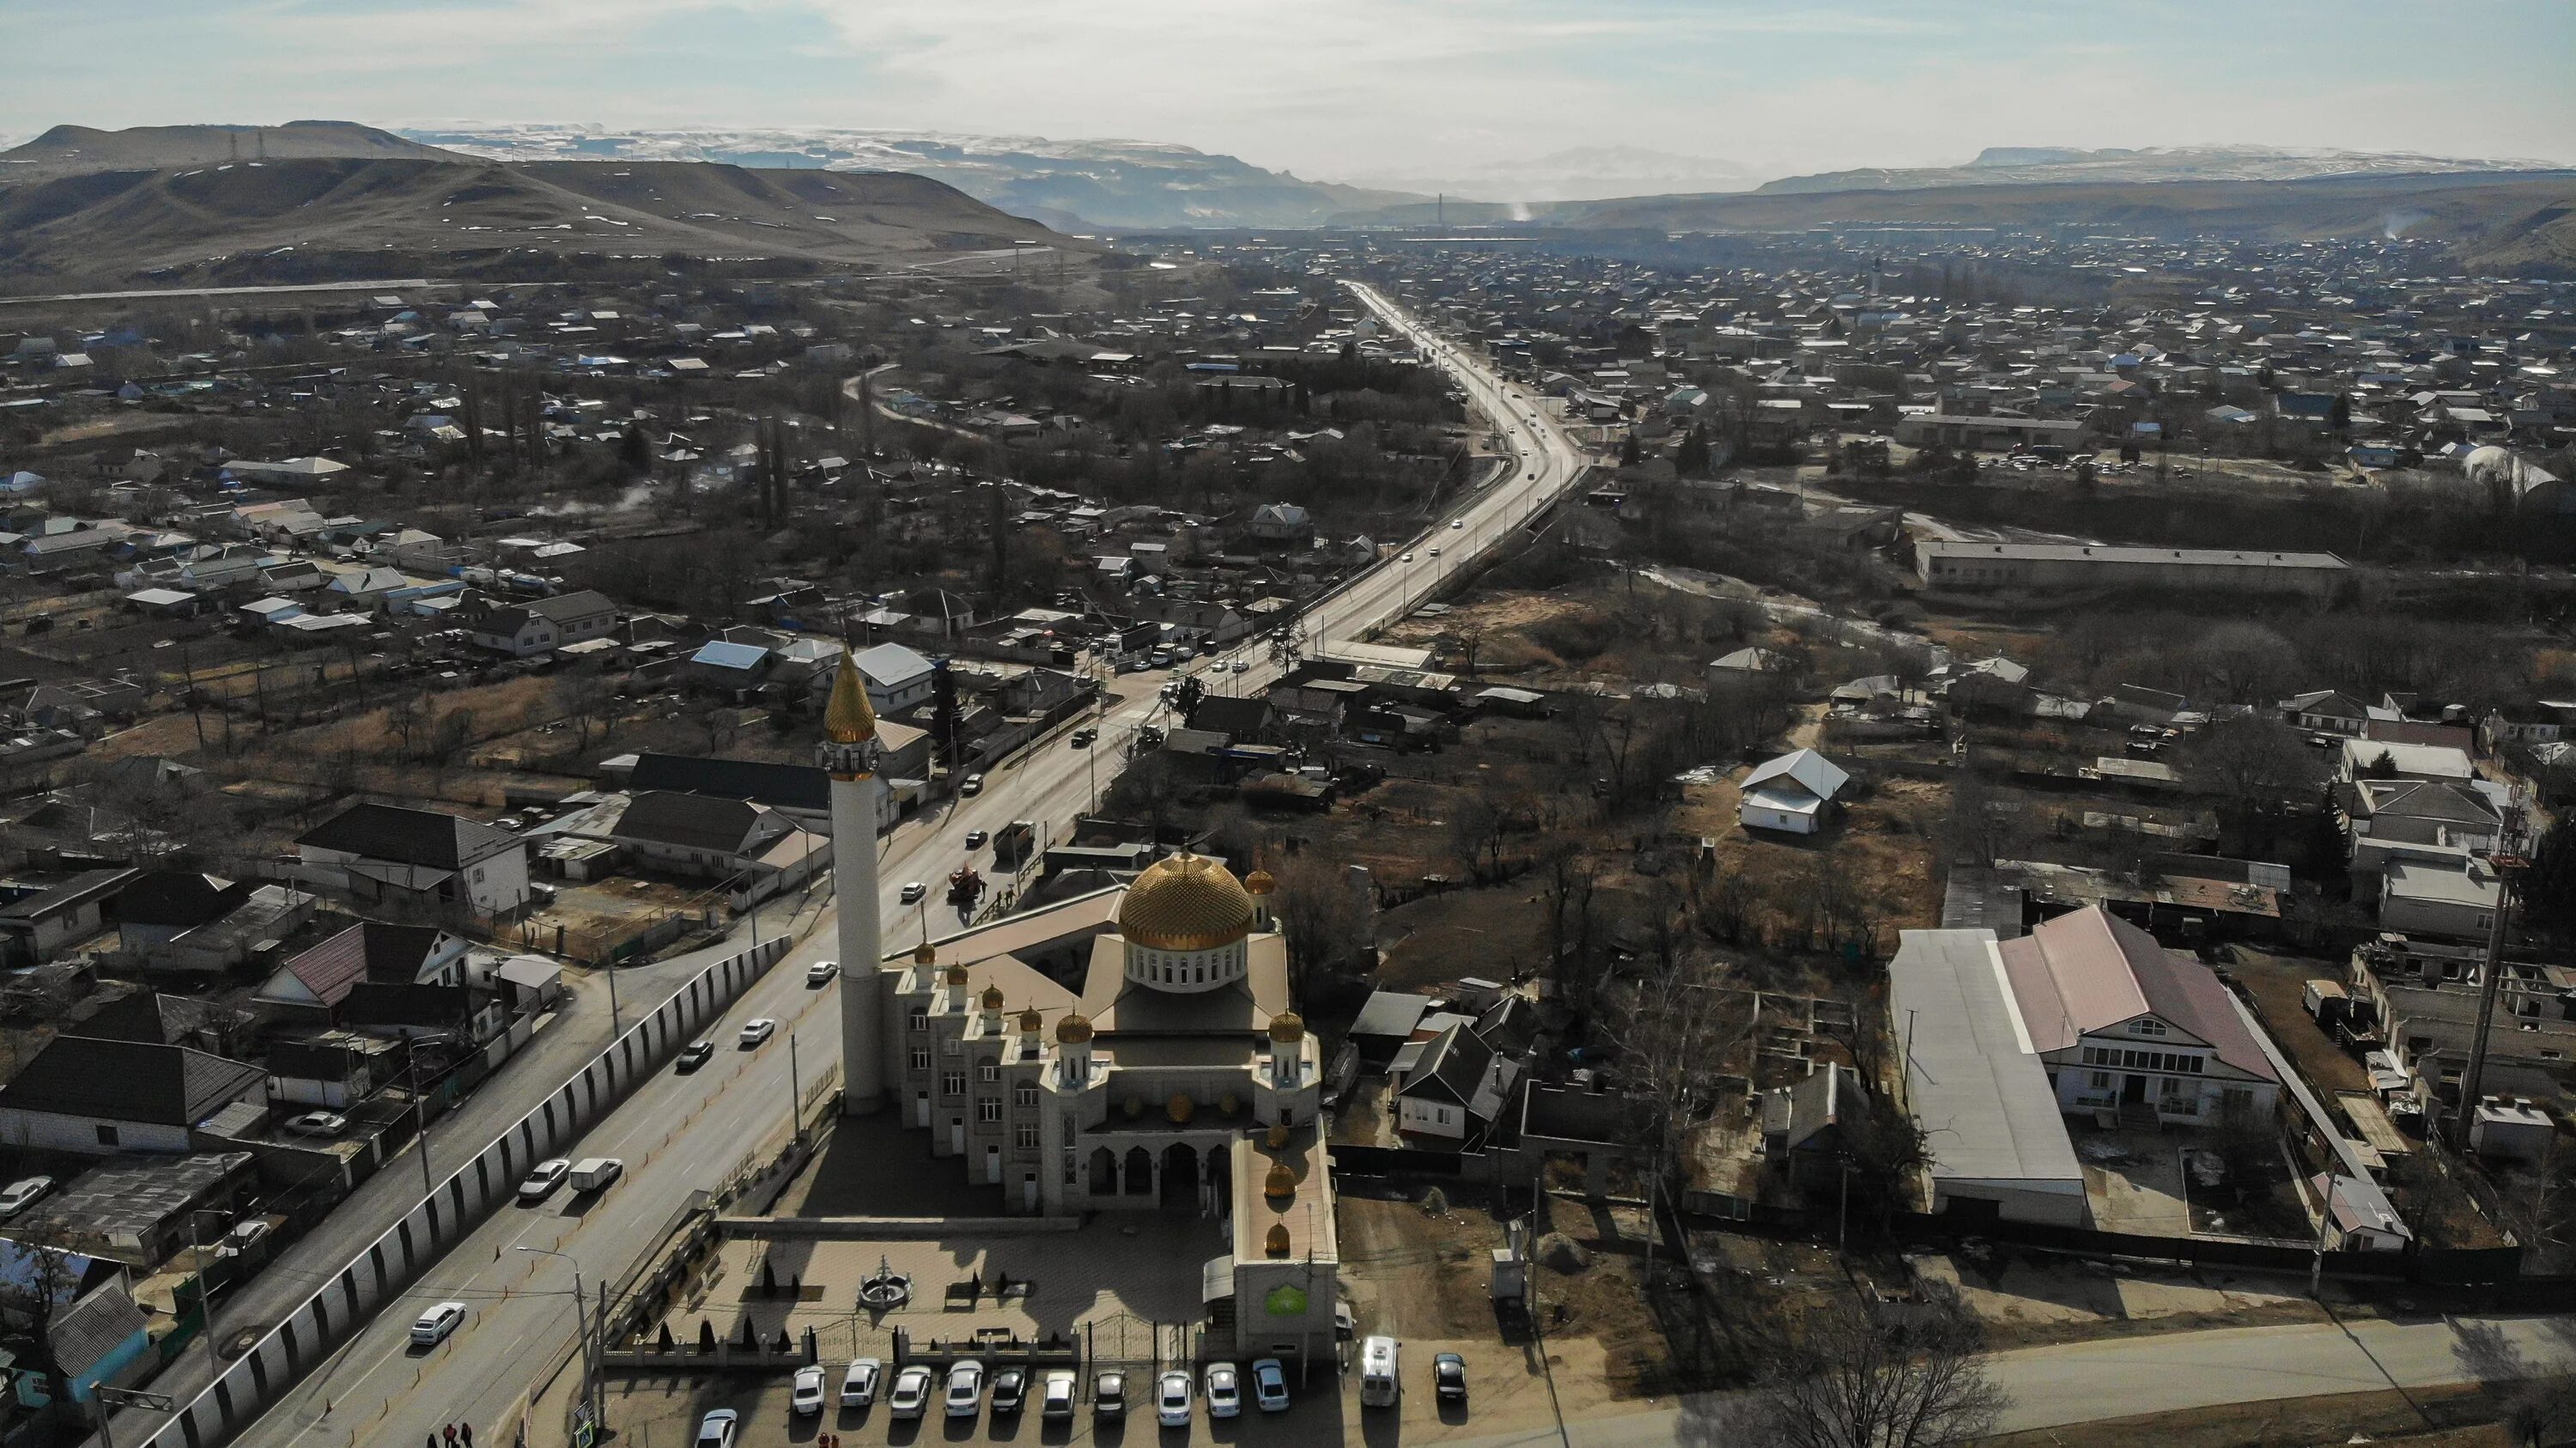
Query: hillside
column 2494, row 223
column 1137, row 185
column 332, row 218
column 2053, row 165
column 71, row 150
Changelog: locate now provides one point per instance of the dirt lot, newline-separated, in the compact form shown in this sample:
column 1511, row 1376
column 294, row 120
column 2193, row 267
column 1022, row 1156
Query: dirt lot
column 1426, row 1279
column 2276, row 983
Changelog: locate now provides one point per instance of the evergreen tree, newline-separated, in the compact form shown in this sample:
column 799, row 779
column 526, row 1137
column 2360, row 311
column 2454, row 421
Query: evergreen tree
column 1629, row 452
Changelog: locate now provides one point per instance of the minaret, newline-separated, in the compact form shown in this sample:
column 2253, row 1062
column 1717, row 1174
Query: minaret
column 850, row 753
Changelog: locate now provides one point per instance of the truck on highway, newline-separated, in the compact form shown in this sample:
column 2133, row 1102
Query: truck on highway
column 594, row 1172
column 1011, row 844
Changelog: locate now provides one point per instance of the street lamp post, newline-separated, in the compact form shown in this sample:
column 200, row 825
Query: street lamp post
column 590, row 1384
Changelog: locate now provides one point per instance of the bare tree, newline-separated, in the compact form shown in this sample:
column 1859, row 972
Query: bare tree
column 2258, row 769
column 1675, row 1040
column 1861, row 1376
column 1321, row 918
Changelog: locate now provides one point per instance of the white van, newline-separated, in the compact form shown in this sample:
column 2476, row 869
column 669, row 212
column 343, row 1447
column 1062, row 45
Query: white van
column 1380, row 1384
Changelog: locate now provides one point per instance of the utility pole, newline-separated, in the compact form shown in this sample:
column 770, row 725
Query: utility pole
column 795, row 1094
column 590, row 1384
column 419, row 1119
column 2508, row 865
column 2325, row 1224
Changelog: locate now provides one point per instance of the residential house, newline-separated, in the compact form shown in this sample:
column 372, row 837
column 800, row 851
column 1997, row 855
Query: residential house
column 2378, row 759
column 721, row 839
column 1791, row 793
column 2327, row 711
column 1454, row 1090
column 381, row 852
column 546, row 624
column 1803, row 1124
column 96, row 1097
column 2454, row 900
column 897, row 678
column 42, row 923
column 315, row 983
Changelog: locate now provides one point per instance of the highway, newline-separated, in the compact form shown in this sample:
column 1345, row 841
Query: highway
column 680, row 1134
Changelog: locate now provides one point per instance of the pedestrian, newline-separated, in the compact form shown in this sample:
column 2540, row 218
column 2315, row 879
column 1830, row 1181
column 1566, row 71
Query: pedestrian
column 465, row 1434
column 450, row 1434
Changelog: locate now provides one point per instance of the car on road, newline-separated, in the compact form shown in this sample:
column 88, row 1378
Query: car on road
column 541, row 1181
column 1224, row 1389
column 23, row 1193
column 971, row 786
column 1160, row 658
column 1010, row 1390
column 716, row 1429
column 975, row 839
column 1172, row 1399
column 1058, row 1394
column 807, row 1398
column 1449, row 1377
column 1109, row 1395
column 1457, row 522
column 435, row 1324
column 1082, row 738
column 317, row 1123
column 911, row 1394
column 912, row 892
column 695, row 1054
column 245, row 1235
column 821, row 973
column 1270, row 1385
column 859, row 1384
column 1404, row 558
column 757, row 1031
column 1435, row 550
column 966, row 1389
column 1242, row 665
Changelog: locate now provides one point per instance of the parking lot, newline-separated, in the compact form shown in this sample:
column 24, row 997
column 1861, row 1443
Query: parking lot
column 663, row 1413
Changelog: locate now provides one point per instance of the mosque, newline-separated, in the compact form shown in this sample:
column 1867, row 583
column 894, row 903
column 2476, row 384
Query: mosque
column 1130, row 1050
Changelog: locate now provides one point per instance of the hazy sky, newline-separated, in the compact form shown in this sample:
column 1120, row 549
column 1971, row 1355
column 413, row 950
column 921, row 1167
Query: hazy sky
column 1351, row 88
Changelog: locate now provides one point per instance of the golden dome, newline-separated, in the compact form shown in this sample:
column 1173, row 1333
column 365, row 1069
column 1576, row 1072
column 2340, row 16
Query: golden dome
column 1278, row 1136
column 1259, row 882
column 1185, row 902
column 1073, row 1030
column 1287, row 1028
column 955, row 974
column 1032, row 1021
column 1275, row 1243
column 992, row 998
column 925, row 954
column 1180, row 1108
column 1281, row 1182
column 847, row 719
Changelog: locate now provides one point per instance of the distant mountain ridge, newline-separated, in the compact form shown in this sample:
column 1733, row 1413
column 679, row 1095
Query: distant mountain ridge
column 329, row 218
column 1134, row 185
column 71, row 150
column 2058, row 165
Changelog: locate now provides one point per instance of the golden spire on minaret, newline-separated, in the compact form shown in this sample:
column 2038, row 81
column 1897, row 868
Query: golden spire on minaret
column 848, row 722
